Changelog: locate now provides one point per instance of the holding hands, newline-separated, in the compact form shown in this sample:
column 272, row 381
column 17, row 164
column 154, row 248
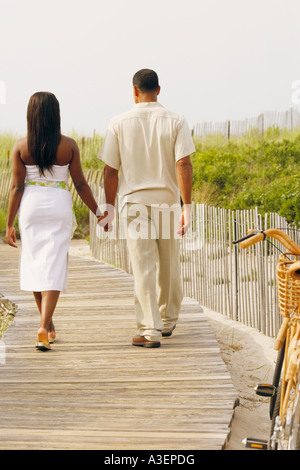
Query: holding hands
column 106, row 218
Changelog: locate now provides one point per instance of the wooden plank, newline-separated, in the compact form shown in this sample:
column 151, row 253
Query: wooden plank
column 94, row 390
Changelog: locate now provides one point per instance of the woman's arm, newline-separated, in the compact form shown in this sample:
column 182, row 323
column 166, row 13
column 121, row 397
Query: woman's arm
column 16, row 193
column 79, row 180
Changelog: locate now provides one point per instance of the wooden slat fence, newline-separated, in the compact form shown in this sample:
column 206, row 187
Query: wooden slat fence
column 289, row 119
column 5, row 182
column 240, row 284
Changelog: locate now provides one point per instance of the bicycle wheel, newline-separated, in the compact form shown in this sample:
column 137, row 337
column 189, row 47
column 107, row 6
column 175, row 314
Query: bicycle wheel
column 294, row 438
column 276, row 379
column 276, row 409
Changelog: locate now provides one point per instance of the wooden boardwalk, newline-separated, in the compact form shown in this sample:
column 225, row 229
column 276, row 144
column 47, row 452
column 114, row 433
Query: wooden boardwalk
column 94, row 390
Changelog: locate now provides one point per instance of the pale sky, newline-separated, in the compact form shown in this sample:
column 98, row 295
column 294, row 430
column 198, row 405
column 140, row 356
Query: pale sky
column 216, row 59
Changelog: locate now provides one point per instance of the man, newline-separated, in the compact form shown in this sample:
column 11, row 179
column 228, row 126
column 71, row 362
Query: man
column 151, row 148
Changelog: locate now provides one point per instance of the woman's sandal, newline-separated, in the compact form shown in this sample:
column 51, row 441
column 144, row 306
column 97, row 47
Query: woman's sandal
column 42, row 343
column 51, row 338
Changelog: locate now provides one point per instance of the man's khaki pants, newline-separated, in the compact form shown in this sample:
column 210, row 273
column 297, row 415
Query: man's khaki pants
column 155, row 258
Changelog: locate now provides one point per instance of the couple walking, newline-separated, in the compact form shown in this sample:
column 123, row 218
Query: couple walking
column 146, row 152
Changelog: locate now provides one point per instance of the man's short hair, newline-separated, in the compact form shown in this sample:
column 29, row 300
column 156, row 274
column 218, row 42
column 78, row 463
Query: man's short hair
column 146, row 80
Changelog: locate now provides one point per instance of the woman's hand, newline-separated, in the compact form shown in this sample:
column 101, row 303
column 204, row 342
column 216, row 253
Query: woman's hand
column 11, row 236
column 105, row 220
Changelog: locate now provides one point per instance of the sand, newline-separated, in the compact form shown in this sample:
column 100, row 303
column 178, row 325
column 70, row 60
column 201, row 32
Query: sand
column 250, row 358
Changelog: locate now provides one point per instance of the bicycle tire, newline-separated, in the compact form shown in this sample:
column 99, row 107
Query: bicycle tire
column 294, row 438
column 296, row 446
column 276, row 378
column 276, row 410
column 298, row 441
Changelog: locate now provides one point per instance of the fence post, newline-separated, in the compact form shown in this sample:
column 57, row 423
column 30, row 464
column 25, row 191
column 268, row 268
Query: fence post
column 228, row 130
column 236, row 290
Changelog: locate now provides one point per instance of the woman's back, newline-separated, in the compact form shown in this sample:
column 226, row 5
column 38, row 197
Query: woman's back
column 64, row 154
column 57, row 173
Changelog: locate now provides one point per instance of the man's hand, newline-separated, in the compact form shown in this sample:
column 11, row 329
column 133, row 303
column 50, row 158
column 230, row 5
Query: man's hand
column 184, row 220
column 11, row 236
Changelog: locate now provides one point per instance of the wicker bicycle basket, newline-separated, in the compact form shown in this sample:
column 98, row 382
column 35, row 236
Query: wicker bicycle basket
column 287, row 287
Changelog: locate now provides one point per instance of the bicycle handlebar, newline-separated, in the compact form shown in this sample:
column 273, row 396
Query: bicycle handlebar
column 255, row 236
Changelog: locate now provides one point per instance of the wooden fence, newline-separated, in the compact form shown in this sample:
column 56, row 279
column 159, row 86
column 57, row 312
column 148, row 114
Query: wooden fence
column 5, row 182
column 289, row 119
column 240, row 284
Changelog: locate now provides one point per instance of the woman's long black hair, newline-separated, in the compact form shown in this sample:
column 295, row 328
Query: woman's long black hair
column 43, row 129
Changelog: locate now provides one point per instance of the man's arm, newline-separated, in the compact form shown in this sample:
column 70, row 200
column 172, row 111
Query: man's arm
column 184, row 170
column 111, row 180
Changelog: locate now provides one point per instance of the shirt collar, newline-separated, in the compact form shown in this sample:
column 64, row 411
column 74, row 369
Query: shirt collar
column 150, row 104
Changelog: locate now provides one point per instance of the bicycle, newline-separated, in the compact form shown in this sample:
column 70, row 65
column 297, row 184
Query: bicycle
column 284, row 392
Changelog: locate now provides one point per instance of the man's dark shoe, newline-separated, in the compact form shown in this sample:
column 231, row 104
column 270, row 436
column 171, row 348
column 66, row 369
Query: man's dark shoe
column 145, row 343
column 168, row 332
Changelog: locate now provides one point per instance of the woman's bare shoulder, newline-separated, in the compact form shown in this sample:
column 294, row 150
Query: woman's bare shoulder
column 66, row 150
column 20, row 144
column 68, row 142
column 20, row 148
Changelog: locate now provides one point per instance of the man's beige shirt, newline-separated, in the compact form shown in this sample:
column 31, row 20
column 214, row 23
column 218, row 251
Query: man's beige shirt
column 144, row 144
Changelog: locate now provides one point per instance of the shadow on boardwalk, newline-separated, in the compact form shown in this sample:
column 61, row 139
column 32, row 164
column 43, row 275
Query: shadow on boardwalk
column 94, row 390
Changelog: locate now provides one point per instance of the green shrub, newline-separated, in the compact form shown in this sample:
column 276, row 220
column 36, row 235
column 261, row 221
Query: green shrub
column 2, row 222
column 82, row 214
column 250, row 172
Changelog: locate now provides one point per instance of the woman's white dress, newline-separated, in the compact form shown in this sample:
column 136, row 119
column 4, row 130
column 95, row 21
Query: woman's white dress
column 45, row 222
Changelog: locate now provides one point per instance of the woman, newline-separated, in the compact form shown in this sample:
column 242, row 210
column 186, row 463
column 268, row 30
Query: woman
column 42, row 162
